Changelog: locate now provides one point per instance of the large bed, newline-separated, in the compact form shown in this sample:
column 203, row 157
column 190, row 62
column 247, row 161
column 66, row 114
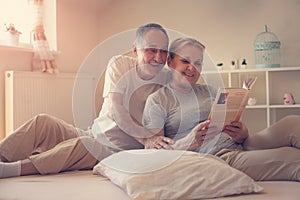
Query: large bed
column 84, row 185
column 149, row 174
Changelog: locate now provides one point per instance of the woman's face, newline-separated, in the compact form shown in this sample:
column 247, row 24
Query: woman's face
column 187, row 64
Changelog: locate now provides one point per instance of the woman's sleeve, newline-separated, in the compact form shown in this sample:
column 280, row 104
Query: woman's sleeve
column 212, row 91
column 154, row 114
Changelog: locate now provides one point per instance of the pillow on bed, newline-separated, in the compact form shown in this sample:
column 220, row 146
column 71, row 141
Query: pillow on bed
column 166, row 174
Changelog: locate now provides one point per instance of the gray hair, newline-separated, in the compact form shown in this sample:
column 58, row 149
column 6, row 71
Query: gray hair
column 142, row 30
column 181, row 42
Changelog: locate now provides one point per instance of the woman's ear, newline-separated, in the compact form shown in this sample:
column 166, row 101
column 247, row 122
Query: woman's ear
column 169, row 61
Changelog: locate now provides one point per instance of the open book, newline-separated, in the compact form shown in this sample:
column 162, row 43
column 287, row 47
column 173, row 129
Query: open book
column 230, row 104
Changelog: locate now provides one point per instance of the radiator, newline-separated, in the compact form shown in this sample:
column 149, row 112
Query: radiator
column 30, row 93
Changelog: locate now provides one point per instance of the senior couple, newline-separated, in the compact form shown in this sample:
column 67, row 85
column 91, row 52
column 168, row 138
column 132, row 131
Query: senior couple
column 174, row 116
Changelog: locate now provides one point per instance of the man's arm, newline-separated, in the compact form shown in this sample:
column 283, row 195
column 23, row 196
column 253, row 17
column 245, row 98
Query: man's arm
column 158, row 141
column 125, row 122
column 190, row 142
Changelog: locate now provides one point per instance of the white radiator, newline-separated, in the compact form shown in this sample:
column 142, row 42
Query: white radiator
column 30, row 93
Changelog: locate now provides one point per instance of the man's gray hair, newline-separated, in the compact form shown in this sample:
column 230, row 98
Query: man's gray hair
column 142, row 30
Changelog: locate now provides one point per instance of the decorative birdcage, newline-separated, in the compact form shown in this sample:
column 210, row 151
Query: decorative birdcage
column 267, row 50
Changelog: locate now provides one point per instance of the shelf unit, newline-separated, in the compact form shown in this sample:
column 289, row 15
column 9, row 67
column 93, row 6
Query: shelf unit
column 271, row 84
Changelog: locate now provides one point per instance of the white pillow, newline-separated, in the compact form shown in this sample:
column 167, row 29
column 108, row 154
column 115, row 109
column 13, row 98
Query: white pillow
column 166, row 174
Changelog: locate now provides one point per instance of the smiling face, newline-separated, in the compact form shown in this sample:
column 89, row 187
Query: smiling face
column 187, row 64
column 151, row 53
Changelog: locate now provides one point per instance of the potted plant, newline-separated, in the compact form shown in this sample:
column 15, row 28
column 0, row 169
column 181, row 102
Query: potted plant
column 220, row 66
column 233, row 65
column 244, row 64
column 12, row 34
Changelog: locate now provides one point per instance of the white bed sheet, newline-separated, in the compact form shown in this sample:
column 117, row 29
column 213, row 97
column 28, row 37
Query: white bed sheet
column 84, row 185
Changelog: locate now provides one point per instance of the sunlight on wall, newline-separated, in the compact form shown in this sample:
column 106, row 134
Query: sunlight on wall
column 19, row 13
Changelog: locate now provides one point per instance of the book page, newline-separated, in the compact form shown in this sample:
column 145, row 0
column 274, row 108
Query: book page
column 228, row 106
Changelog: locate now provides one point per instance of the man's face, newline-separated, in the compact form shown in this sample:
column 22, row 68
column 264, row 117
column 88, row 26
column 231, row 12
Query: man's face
column 152, row 52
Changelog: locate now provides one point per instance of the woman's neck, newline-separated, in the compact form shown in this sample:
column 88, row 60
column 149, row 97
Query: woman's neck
column 183, row 88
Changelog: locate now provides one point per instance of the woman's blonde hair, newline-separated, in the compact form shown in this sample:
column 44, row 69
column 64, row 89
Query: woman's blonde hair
column 178, row 43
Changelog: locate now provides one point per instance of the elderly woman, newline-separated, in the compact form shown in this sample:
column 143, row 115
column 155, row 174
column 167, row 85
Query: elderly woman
column 173, row 114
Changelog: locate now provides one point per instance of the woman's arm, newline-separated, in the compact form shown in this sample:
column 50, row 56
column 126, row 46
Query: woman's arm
column 237, row 131
column 194, row 139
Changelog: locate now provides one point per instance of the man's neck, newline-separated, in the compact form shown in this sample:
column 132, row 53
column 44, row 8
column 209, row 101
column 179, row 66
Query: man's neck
column 143, row 75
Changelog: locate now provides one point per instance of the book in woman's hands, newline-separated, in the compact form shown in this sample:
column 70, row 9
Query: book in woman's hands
column 230, row 104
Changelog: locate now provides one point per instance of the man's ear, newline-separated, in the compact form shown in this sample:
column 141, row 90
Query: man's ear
column 134, row 50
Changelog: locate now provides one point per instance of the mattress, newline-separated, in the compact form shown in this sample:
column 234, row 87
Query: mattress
column 85, row 185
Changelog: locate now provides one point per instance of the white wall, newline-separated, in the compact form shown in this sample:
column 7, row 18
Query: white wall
column 227, row 28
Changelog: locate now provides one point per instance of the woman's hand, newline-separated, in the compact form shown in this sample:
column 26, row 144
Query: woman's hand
column 158, row 142
column 237, row 131
column 194, row 139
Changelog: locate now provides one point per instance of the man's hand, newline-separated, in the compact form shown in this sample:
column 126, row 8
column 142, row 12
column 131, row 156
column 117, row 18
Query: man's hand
column 237, row 131
column 158, row 142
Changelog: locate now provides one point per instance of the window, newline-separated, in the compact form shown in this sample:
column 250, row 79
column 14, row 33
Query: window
column 19, row 13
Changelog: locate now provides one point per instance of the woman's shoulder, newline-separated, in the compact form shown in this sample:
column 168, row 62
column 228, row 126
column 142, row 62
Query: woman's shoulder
column 203, row 87
column 163, row 93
